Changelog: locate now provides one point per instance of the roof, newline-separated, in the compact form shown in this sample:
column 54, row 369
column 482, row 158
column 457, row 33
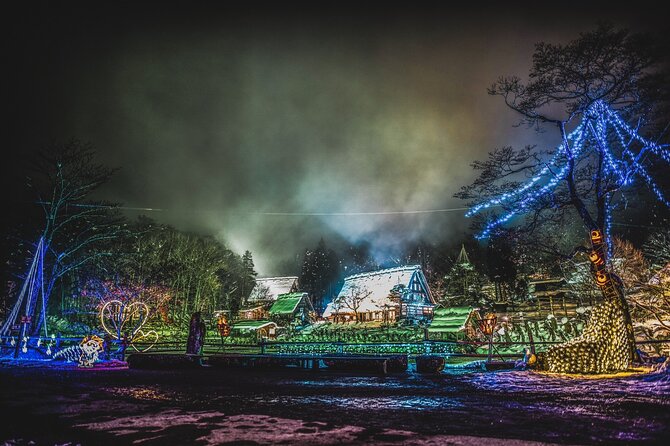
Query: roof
column 251, row 307
column 252, row 325
column 378, row 284
column 462, row 256
column 287, row 303
column 268, row 288
column 450, row 320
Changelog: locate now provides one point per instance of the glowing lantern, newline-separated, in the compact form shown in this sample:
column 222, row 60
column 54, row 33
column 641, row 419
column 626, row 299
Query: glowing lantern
column 596, row 237
column 488, row 323
column 601, row 279
column 222, row 326
column 596, row 259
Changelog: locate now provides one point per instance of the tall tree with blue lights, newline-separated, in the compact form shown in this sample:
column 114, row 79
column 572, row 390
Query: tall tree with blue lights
column 599, row 94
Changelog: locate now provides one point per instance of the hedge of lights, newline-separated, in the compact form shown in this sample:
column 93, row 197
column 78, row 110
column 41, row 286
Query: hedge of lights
column 412, row 349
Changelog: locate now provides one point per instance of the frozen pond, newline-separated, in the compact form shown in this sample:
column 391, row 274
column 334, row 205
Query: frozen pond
column 288, row 407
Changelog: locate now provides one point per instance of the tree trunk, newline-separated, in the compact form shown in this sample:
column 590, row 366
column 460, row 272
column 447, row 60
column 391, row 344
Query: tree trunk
column 607, row 343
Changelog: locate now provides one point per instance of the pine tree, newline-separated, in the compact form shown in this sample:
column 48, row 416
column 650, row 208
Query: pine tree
column 464, row 283
column 248, row 279
column 320, row 271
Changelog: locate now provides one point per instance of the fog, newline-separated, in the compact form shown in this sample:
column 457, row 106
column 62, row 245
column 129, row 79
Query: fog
column 237, row 123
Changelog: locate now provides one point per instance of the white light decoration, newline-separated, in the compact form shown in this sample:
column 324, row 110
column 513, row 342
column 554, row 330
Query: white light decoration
column 51, row 341
column 85, row 354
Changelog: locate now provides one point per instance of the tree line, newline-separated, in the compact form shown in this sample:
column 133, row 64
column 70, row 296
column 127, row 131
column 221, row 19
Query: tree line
column 93, row 252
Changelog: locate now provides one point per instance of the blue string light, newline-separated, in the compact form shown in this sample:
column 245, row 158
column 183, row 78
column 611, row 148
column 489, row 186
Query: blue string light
column 600, row 125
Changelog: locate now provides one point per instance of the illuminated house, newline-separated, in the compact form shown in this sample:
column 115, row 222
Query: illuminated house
column 292, row 307
column 264, row 294
column 453, row 324
column 263, row 317
column 254, row 312
column 269, row 288
column 386, row 296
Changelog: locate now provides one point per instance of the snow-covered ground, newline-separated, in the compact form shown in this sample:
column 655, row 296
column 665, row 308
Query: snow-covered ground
column 60, row 405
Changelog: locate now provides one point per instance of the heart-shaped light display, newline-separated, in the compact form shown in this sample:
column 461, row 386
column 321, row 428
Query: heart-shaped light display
column 146, row 339
column 119, row 318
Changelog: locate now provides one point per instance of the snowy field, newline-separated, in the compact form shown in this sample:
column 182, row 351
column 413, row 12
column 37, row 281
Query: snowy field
column 47, row 405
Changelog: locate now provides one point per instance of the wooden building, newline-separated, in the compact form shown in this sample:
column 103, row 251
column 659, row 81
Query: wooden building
column 270, row 288
column 264, row 294
column 385, row 296
column 453, row 324
column 292, row 307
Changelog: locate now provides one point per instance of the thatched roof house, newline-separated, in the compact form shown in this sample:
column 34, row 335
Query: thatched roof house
column 269, row 288
column 368, row 296
column 291, row 307
column 453, row 323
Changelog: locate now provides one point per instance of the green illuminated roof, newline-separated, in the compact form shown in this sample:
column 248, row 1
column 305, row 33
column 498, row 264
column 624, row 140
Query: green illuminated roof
column 286, row 303
column 450, row 320
column 251, row 325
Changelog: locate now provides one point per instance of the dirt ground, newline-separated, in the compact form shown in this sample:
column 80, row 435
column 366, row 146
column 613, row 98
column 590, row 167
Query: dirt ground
column 42, row 404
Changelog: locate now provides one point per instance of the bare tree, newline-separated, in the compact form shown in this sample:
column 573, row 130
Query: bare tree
column 77, row 229
column 657, row 247
column 354, row 300
column 647, row 290
column 587, row 90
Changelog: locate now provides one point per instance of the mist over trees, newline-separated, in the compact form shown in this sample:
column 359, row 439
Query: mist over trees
column 93, row 252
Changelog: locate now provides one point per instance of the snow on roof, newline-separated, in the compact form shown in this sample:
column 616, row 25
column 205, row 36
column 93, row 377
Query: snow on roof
column 252, row 325
column 268, row 288
column 377, row 283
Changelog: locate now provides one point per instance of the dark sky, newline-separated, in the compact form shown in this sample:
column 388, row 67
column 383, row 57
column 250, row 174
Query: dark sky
column 217, row 115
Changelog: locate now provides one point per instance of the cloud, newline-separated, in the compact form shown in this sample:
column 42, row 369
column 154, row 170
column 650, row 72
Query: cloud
column 220, row 118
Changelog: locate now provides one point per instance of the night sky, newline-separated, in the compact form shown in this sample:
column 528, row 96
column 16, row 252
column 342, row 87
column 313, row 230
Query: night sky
column 217, row 115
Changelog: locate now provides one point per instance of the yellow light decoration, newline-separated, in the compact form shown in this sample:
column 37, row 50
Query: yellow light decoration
column 91, row 346
column 603, row 346
column 115, row 315
column 488, row 323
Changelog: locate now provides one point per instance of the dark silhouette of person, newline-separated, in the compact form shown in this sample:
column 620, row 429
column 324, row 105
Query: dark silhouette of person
column 196, row 335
